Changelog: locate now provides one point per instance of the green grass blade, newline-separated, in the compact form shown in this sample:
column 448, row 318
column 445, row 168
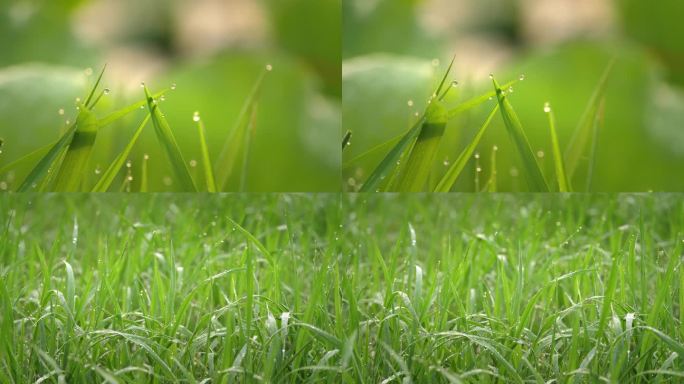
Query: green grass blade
column 49, row 160
column 491, row 183
column 598, row 125
column 143, row 174
column 72, row 168
column 236, row 136
column 533, row 172
column 108, row 176
column 94, row 89
column 168, row 142
column 582, row 134
column 390, row 161
column 30, row 158
column 246, row 147
column 422, row 155
column 561, row 178
column 206, row 161
column 450, row 177
column 476, row 101
column 346, row 139
column 114, row 116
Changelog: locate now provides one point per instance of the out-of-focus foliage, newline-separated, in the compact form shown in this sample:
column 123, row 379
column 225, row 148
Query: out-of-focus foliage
column 637, row 148
column 294, row 142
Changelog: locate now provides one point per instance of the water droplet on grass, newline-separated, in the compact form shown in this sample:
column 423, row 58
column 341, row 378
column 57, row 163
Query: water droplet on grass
column 173, row 86
column 540, row 154
column 410, row 103
column 491, row 76
column 547, row 107
column 128, row 164
column 193, row 163
column 107, row 91
column 522, row 77
column 61, row 111
column 269, row 67
column 196, row 117
column 142, row 84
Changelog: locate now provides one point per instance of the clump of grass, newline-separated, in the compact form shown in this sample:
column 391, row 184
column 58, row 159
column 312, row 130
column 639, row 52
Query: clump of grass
column 408, row 162
column 310, row 288
column 61, row 166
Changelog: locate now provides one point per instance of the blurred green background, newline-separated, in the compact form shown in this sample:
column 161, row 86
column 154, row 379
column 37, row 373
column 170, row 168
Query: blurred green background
column 213, row 50
column 561, row 46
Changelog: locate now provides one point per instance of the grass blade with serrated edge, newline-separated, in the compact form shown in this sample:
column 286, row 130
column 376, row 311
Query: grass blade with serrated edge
column 389, row 162
column 561, row 178
column 72, row 167
column 231, row 147
column 578, row 141
column 168, row 142
column 533, row 172
column 450, row 177
column 108, row 176
column 206, row 161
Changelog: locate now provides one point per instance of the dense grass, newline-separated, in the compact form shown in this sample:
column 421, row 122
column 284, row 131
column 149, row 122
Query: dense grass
column 330, row 288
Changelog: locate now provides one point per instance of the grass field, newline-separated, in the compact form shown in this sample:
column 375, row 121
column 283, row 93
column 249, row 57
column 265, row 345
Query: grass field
column 331, row 288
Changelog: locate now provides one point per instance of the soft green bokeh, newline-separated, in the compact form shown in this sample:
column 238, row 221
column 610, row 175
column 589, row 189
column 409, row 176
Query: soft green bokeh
column 638, row 147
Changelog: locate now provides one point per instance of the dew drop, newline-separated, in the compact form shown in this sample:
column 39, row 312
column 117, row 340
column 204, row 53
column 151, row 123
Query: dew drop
column 196, row 117
column 61, row 111
column 193, row 163
column 495, row 148
column 454, row 83
column 416, row 114
column 146, row 157
column 410, row 103
column 445, row 162
column 478, row 169
column 78, row 100
column 107, row 91
column 547, row 107
column 491, row 76
column 142, row 84
column 540, row 154
column 98, row 170
column 68, row 122
column 269, row 67
column 510, row 89
column 173, row 86
column 129, row 178
column 142, row 107
column 162, row 98
column 477, row 155
column 128, row 164
column 522, row 77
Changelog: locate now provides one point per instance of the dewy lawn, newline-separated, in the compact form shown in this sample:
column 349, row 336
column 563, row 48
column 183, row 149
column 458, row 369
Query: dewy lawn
column 330, row 288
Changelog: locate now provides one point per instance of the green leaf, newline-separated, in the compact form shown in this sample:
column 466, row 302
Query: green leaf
column 168, row 142
column 49, row 160
column 108, row 176
column 72, row 167
column 577, row 145
column 533, row 172
column 206, row 161
column 450, row 177
column 561, row 178
column 235, row 139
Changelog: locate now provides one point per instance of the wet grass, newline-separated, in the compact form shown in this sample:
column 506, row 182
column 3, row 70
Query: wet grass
column 341, row 288
column 62, row 165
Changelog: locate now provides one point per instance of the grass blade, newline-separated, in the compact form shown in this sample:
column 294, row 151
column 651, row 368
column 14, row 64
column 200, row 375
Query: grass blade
column 533, row 173
column 598, row 125
column 94, row 89
column 450, row 177
column 108, row 176
column 389, row 162
column 561, row 178
column 206, row 161
column 582, row 134
column 168, row 141
column 235, row 138
column 49, row 160
column 422, row 155
column 346, row 139
column 78, row 152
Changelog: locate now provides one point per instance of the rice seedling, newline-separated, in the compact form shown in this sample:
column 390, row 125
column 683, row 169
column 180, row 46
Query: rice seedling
column 410, row 158
column 63, row 165
column 368, row 288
